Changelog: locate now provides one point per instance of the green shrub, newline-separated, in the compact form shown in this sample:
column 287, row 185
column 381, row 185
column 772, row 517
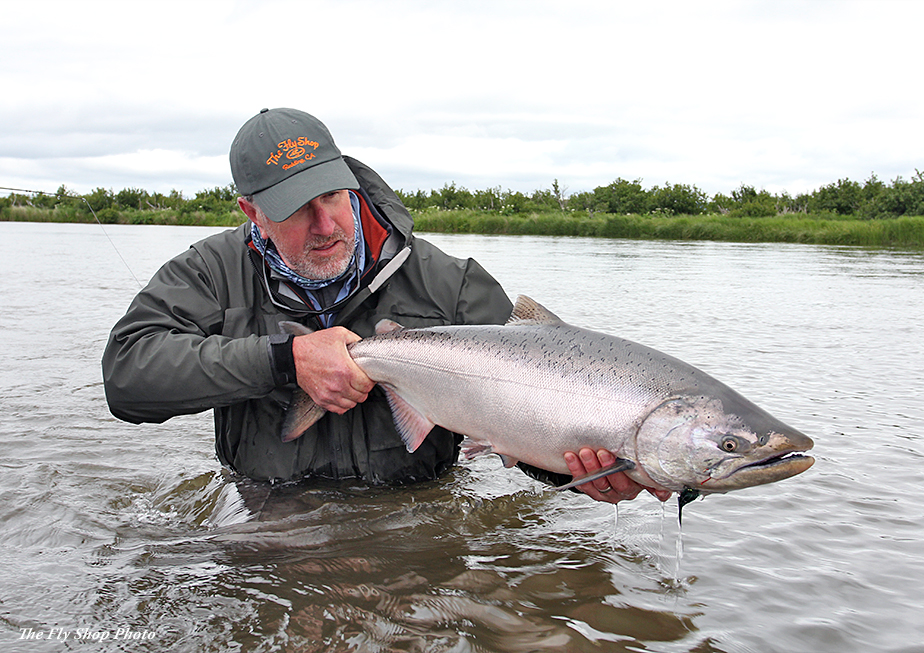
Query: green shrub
column 108, row 216
column 622, row 196
column 677, row 199
column 843, row 198
column 901, row 198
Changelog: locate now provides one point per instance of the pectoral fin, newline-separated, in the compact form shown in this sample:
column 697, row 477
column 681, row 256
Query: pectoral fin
column 411, row 423
column 621, row 465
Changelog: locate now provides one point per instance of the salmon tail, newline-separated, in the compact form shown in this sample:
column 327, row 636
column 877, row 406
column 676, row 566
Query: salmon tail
column 301, row 414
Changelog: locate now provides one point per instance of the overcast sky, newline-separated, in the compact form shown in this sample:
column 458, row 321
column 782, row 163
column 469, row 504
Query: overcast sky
column 786, row 96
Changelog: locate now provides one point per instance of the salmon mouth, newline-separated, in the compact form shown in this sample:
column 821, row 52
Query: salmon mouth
column 788, row 458
column 767, row 470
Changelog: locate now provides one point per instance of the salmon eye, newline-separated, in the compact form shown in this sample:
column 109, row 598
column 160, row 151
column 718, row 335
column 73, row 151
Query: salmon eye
column 729, row 443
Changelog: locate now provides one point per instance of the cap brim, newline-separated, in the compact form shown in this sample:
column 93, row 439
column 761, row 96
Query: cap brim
column 280, row 201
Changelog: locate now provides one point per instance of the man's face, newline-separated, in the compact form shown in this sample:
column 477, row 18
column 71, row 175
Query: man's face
column 317, row 241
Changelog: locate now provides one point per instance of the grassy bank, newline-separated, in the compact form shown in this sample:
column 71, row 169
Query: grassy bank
column 903, row 232
column 79, row 214
column 823, row 229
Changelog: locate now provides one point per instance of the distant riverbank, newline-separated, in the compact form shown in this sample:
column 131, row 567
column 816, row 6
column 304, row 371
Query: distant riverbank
column 903, row 232
column 822, row 229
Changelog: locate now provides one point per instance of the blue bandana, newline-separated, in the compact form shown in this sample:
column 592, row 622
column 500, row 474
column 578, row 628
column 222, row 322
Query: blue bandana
column 347, row 279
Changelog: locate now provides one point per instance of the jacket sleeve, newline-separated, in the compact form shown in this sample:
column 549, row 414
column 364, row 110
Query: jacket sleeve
column 167, row 355
column 481, row 300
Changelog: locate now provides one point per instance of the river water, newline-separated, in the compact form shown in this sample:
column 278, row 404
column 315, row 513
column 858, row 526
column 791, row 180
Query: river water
column 117, row 537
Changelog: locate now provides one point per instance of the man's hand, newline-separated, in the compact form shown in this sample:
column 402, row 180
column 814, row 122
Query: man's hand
column 613, row 488
column 326, row 372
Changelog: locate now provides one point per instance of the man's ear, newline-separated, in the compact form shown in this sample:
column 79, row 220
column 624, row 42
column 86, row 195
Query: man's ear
column 251, row 211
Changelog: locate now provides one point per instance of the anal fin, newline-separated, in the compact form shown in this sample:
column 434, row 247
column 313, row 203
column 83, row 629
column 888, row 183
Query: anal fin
column 471, row 449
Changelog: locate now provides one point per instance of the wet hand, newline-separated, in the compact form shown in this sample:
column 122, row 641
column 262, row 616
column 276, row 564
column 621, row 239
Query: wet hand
column 326, row 371
column 613, row 488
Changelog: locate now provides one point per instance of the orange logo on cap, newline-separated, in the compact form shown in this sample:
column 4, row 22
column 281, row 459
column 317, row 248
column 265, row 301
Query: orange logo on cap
column 294, row 150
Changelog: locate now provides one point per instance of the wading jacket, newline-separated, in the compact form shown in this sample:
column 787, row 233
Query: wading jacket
column 197, row 338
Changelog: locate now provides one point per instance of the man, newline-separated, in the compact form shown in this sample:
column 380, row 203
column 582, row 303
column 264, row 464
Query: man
column 327, row 244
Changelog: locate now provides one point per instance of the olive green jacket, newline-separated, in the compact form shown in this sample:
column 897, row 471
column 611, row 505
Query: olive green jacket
column 197, row 338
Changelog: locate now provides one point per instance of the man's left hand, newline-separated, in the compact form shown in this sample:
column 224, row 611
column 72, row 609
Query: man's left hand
column 613, row 488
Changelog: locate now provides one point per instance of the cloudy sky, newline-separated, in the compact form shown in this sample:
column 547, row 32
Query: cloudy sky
column 782, row 95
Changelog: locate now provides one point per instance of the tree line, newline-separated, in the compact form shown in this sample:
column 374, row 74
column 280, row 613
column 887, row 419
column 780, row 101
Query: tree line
column 871, row 199
column 868, row 200
column 135, row 204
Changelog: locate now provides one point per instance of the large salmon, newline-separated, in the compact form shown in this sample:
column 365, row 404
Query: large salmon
column 537, row 387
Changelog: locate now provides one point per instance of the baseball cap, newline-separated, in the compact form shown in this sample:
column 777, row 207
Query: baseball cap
column 285, row 158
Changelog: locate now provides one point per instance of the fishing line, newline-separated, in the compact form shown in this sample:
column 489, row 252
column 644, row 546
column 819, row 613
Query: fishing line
column 41, row 192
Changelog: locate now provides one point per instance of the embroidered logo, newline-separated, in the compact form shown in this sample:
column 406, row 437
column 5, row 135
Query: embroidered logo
column 294, row 151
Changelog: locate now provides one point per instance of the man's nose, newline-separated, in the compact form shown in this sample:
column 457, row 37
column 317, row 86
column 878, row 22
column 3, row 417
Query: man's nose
column 320, row 218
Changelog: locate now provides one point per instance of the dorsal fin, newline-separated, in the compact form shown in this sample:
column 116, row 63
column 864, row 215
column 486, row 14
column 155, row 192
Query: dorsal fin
column 529, row 311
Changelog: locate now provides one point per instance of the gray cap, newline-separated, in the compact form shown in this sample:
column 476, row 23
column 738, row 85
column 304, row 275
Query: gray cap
column 285, row 158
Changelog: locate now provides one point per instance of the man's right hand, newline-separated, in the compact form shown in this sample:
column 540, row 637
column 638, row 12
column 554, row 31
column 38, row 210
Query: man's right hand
column 325, row 370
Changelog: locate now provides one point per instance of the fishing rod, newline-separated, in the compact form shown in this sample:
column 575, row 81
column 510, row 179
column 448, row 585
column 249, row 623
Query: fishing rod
column 60, row 196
